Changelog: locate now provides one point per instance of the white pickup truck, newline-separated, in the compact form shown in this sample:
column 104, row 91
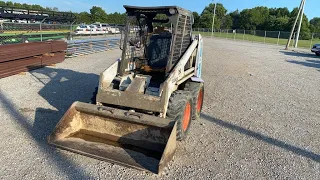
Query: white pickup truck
column 316, row 49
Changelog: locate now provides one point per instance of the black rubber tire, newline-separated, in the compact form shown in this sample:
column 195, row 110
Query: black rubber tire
column 318, row 53
column 176, row 110
column 94, row 96
column 195, row 88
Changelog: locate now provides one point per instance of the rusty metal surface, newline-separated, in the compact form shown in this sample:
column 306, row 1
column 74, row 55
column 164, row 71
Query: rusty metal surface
column 58, row 46
column 24, row 57
column 52, row 58
column 26, row 64
column 18, row 51
column 131, row 139
column 14, row 67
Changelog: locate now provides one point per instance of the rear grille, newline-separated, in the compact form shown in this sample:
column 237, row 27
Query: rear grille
column 182, row 37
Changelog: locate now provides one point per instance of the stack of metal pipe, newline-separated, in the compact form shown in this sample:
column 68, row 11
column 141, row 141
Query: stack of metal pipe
column 17, row 58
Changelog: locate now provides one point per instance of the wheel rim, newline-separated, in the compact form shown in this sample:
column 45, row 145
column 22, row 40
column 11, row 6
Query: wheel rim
column 200, row 100
column 186, row 117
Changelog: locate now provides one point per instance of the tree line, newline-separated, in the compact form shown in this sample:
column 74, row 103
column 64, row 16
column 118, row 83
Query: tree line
column 96, row 14
column 258, row 18
column 27, row 6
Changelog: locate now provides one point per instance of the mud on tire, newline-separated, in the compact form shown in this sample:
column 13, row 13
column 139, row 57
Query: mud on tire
column 180, row 110
column 197, row 92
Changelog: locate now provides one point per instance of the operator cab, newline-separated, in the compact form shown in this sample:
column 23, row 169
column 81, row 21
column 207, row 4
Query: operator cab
column 153, row 41
column 155, row 38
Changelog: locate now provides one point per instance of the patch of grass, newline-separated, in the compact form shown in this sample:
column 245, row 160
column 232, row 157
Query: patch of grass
column 13, row 33
column 249, row 37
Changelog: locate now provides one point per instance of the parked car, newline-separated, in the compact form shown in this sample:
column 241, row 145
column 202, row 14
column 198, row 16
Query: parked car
column 316, row 49
column 95, row 29
column 84, row 30
column 114, row 30
column 105, row 28
column 89, row 30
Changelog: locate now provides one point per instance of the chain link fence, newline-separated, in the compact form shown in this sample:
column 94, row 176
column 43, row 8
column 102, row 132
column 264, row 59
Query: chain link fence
column 269, row 37
column 14, row 33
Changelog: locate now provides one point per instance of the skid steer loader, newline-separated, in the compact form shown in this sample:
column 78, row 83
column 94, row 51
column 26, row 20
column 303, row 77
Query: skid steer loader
column 145, row 100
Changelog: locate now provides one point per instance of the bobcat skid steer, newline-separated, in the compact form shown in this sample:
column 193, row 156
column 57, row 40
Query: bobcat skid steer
column 146, row 100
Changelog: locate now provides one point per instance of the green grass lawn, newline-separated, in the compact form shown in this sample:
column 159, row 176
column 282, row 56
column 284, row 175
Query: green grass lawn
column 32, row 33
column 249, row 37
column 31, row 37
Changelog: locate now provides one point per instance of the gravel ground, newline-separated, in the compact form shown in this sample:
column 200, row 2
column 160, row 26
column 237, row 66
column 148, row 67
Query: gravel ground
column 261, row 118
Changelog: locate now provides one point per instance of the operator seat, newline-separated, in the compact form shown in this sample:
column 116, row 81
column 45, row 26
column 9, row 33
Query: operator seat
column 158, row 50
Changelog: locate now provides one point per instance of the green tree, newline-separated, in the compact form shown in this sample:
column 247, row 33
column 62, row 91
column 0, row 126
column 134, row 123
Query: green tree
column 25, row 6
column 97, row 14
column 117, row 18
column 84, row 17
column 305, row 26
column 274, row 23
column 9, row 3
column 235, row 15
column 196, row 18
column 207, row 15
column 254, row 18
column 226, row 22
column 279, row 12
column 17, row 5
column 245, row 23
column 315, row 25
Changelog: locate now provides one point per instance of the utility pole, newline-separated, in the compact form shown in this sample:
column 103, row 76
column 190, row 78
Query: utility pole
column 300, row 22
column 294, row 25
column 214, row 15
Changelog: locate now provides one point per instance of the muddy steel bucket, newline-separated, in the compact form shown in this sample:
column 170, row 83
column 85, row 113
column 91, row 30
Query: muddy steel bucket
column 131, row 139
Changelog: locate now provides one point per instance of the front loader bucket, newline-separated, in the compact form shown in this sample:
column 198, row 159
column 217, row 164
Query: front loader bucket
column 132, row 139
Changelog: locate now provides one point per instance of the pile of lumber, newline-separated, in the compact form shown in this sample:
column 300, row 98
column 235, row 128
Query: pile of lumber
column 17, row 58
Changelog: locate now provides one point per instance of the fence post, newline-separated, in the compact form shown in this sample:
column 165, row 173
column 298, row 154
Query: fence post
column 40, row 31
column 311, row 40
column 278, row 38
column 227, row 34
column 244, row 32
column 265, row 35
column 1, row 25
column 235, row 33
column 71, row 29
column 41, row 28
column 294, row 37
column 220, row 33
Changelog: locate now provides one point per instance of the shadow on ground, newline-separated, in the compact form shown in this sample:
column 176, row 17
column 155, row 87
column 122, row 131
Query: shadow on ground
column 264, row 138
column 61, row 88
column 307, row 63
column 299, row 54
